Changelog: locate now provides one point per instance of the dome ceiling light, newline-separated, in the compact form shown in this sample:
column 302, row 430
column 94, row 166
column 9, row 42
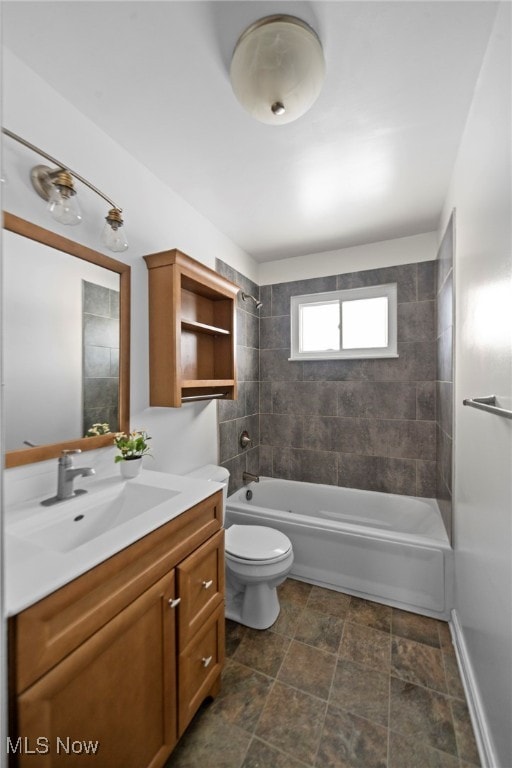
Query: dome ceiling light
column 277, row 69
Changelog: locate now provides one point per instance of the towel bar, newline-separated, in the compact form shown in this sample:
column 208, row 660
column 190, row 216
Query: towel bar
column 487, row 404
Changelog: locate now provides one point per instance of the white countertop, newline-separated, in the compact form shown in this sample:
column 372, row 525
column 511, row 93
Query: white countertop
column 33, row 572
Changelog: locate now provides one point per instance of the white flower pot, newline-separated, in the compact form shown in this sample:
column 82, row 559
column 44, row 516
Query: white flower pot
column 130, row 467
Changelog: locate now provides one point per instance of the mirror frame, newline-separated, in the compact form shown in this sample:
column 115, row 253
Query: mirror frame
column 25, row 228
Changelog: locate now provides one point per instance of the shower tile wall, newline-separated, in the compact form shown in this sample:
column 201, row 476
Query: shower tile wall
column 100, row 355
column 444, row 383
column 235, row 416
column 367, row 424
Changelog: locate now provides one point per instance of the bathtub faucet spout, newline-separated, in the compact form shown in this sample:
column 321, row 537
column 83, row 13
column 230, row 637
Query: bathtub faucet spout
column 248, row 477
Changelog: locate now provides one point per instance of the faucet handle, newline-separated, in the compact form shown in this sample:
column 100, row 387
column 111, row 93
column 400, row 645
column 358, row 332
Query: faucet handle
column 65, row 460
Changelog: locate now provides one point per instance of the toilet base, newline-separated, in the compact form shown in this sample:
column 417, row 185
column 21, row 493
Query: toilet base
column 256, row 606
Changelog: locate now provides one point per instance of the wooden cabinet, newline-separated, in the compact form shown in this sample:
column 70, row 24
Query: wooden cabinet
column 192, row 340
column 110, row 669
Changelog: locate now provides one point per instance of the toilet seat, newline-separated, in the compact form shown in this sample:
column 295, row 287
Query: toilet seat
column 256, row 543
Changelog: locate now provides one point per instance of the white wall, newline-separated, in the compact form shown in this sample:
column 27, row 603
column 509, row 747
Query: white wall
column 481, row 193
column 156, row 218
column 387, row 253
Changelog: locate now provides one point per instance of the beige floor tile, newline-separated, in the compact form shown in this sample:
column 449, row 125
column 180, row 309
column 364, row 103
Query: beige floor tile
column 292, row 721
column 362, row 691
column 371, row 614
column 322, row 630
column 308, row 669
column 420, row 713
column 349, row 741
column 415, row 627
column 366, row 646
column 418, row 663
column 263, row 651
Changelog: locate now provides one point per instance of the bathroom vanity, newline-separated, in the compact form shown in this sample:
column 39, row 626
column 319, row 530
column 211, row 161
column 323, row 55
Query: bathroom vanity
column 109, row 669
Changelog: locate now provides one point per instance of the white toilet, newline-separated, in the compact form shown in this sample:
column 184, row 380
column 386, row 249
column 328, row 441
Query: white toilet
column 258, row 559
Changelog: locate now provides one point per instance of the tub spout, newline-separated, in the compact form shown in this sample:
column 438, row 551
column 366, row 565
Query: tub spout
column 248, row 477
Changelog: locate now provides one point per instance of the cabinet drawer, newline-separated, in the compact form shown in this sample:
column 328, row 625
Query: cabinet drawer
column 200, row 586
column 200, row 666
column 46, row 632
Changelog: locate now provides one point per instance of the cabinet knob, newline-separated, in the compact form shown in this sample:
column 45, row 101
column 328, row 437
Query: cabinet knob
column 207, row 584
column 173, row 602
column 206, row 661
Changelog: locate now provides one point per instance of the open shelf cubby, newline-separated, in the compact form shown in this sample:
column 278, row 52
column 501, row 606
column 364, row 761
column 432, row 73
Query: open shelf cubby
column 192, row 334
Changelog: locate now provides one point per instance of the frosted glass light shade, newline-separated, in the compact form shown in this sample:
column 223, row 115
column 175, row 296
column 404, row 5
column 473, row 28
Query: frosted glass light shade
column 277, row 69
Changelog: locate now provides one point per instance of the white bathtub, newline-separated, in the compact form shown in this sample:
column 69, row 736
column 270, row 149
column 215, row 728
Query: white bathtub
column 384, row 547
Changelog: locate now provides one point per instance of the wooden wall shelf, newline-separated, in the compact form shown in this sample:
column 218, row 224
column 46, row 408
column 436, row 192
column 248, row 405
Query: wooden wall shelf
column 192, row 330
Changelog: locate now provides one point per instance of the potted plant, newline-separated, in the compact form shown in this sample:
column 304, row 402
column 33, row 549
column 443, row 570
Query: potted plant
column 132, row 447
column 98, row 429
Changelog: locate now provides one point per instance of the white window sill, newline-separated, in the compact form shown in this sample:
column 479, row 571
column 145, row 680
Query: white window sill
column 343, row 357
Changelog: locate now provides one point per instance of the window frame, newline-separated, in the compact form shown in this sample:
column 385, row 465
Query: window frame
column 388, row 290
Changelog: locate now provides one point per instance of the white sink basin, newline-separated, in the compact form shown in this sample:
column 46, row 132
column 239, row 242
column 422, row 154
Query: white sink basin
column 73, row 523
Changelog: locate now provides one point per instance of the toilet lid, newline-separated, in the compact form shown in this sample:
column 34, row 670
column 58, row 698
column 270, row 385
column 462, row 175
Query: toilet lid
column 256, row 542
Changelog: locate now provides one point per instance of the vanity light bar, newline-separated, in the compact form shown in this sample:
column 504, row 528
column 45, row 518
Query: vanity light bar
column 43, row 180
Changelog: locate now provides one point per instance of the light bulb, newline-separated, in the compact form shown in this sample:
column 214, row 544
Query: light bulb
column 113, row 235
column 62, row 203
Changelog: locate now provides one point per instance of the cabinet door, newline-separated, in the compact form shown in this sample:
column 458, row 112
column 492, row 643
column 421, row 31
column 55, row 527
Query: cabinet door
column 117, row 689
column 200, row 586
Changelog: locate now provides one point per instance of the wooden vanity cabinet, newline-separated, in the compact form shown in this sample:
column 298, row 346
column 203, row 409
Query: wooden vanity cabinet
column 124, row 655
column 192, row 339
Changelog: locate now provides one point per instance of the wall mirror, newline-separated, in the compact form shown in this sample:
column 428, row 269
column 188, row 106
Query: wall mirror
column 66, row 344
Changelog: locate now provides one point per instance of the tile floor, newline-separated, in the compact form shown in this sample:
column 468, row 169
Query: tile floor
column 337, row 682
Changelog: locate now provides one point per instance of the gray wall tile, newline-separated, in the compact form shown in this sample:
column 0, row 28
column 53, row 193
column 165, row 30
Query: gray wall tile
column 266, row 453
column 101, row 331
column 281, row 463
column 318, row 433
column 266, row 298
column 275, row 366
column 361, row 423
column 276, row 429
column 265, row 397
column 275, row 332
column 426, row 400
column 445, row 305
column 427, row 280
column 445, row 406
column 378, row 400
column 311, row 398
column 377, row 473
column 282, row 292
column 234, row 416
column 444, row 388
column 96, row 361
column 416, row 321
column 96, row 299
column 426, row 479
column 314, row 466
column 404, row 276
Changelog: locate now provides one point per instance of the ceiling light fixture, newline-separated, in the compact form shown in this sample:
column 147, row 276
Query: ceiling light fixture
column 277, row 69
column 56, row 186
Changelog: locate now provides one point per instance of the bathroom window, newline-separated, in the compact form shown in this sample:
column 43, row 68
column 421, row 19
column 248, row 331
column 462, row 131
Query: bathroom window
column 354, row 323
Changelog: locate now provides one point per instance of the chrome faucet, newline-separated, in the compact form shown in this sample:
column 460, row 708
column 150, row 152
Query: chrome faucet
column 248, row 477
column 66, row 475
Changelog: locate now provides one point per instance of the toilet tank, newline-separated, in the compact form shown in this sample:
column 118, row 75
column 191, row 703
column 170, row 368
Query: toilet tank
column 218, row 475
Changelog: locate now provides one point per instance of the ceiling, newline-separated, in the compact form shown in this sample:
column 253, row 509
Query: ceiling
column 370, row 161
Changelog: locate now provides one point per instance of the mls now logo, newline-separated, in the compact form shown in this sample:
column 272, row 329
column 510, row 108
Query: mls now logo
column 41, row 745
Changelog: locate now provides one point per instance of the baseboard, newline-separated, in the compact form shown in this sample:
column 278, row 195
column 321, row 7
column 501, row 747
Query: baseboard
column 484, row 743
